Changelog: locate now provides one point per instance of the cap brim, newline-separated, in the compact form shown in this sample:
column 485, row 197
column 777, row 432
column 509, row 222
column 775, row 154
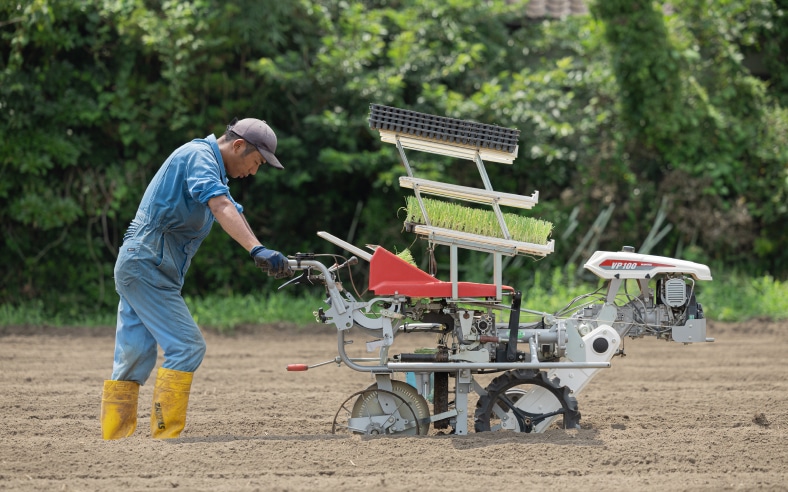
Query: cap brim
column 270, row 159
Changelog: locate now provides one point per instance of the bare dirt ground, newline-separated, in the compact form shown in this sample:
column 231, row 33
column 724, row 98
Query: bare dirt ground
column 665, row 417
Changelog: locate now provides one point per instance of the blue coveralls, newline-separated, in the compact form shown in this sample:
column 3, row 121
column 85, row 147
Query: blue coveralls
column 172, row 220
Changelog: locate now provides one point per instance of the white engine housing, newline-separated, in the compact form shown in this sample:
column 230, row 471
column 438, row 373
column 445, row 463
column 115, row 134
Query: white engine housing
column 628, row 265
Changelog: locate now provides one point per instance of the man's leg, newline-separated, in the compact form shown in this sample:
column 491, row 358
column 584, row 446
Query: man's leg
column 135, row 346
column 170, row 402
column 135, row 357
column 168, row 320
column 119, row 409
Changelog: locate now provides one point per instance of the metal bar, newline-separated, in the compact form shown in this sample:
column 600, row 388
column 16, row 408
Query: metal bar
column 472, row 245
column 349, row 362
column 498, row 275
column 470, row 194
column 483, row 243
column 462, row 387
column 483, row 172
column 345, row 245
column 331, row 287
column 495, row 205
column 443, row 415
column 404, row 158
column 417, row 193
column 532, row 343
column 612, row 289
column 457, row 366
column 514, row 325
column 450, row 150
column 454, row 276
column 523, row 335
column 501, row 222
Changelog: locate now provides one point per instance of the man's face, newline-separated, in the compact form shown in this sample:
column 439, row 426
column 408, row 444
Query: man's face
column 239, row 165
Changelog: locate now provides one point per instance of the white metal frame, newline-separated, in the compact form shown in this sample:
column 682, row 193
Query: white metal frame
column 498, row 247
column 448, row 149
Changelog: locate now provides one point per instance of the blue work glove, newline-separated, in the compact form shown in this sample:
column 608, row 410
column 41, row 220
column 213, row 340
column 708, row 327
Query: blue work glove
column 270, row 261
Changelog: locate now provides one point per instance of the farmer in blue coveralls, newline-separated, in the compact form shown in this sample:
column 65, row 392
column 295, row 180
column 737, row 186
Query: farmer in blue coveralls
column 177, row 211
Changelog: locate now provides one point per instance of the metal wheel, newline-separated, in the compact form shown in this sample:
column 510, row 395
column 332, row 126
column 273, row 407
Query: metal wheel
column 525, row 401
column 379, row 412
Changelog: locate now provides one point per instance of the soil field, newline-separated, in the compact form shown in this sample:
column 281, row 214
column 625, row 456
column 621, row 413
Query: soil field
column 665, row 417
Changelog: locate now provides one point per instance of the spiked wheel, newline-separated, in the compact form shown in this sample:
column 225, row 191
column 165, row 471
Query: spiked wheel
column 525, row 401
column 374, row 412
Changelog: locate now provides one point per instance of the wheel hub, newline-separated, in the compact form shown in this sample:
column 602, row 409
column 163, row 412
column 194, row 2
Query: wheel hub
column 525, row 401
column 402, row 411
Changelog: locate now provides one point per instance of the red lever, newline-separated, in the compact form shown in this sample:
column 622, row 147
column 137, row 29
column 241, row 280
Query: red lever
column 297, row 367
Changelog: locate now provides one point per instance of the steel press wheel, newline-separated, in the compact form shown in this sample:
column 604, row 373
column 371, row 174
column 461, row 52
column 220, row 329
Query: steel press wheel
column 405, row 413
column 525, row 401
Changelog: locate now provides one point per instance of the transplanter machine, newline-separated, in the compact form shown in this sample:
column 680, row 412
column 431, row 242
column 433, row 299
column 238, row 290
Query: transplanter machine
column 539, row 367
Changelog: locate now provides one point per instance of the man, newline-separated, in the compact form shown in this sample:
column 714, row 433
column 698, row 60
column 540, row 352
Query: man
column 176, row 213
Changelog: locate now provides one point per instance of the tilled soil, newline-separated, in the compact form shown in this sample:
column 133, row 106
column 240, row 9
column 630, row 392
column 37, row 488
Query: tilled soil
column 665, row 417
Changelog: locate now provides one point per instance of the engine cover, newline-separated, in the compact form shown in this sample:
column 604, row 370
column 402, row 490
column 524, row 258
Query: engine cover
column 674, row 292
column 627, row 265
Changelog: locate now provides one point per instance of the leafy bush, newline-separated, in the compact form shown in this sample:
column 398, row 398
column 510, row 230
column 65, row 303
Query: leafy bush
column 624, row 107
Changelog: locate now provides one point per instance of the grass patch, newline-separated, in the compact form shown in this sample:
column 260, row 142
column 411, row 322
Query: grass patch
column 36, row 313
column 732, row 298
column 222, row 313
column 226, row 312
column 735, row 297
column 551, row 292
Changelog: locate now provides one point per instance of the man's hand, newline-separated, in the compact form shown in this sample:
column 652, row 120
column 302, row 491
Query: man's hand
column 270, row 261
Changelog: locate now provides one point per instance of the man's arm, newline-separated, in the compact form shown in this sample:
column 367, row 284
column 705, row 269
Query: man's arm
column 233, row 223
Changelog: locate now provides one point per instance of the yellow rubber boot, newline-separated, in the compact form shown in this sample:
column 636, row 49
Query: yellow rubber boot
column 170, row 401
column 119, row 409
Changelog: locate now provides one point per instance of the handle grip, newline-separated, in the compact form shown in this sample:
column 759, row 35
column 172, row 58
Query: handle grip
column 297, row 367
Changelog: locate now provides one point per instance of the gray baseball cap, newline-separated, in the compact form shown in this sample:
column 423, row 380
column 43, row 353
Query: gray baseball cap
column 258, row 133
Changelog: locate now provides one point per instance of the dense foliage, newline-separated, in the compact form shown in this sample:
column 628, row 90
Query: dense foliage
column 660, row 117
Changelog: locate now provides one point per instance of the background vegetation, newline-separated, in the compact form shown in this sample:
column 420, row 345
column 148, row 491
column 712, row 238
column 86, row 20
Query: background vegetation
column 658, row 126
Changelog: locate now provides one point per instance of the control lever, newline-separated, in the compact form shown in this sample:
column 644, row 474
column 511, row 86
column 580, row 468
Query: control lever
column 305, row 278
column 306, row 367
column 353, row 260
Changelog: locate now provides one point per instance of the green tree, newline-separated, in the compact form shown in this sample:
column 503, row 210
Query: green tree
column 624, row 107
column 697, row 127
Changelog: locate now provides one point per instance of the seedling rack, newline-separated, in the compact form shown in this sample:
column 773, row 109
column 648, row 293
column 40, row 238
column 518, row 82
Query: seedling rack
column 469, row 141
